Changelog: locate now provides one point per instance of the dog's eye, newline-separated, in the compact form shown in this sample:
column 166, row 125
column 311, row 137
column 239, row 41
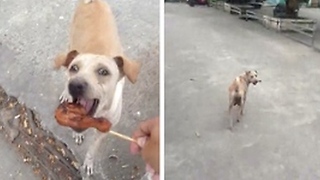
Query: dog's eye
column 74, row 68
column 103, row 72
column 252, row 76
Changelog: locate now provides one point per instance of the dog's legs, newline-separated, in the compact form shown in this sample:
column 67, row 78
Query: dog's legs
column 230, row 103
column 65, row 96
column 239, row 114
column 89, row 159
column 231, row 123
column 242, row 105
column 230, row 116
column 78, row 137
column 230, row 113
column 230, row 107
column 243, row 101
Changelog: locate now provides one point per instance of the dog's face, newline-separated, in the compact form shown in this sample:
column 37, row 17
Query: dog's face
column 93, row 79
column 252, row 76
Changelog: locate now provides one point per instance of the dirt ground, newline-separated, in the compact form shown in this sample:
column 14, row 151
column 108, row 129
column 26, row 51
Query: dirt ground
column 33, row 32
column 279, row 135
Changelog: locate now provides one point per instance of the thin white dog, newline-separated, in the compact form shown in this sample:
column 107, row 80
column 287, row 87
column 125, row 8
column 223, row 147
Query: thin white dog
column 238, row 92
column 96, row 68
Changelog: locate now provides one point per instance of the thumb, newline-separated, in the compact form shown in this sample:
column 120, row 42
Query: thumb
column 141, row 141
column 136, row 147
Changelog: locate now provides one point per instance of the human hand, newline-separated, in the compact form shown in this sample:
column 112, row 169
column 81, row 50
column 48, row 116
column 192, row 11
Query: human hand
column 147, row 136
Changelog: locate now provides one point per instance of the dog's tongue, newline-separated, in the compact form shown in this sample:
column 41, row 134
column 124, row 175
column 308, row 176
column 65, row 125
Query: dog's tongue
column 87, row 104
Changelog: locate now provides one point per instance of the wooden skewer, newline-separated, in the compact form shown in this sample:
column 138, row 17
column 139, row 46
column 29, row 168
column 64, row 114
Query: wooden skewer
column 123, row 136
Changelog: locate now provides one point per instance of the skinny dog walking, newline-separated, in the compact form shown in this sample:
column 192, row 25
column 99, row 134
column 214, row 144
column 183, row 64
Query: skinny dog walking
column 238, row 93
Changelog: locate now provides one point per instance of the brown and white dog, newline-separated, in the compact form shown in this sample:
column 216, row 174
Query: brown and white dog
column 96, row 68
column 238, row 92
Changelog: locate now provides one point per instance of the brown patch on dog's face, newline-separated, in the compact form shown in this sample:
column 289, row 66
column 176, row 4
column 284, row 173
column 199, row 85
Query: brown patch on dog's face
column 65, row 60
column 128, row 68
column 70, row 57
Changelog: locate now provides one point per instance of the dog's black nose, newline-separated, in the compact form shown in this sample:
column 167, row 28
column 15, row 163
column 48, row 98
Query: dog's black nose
column 77, row 89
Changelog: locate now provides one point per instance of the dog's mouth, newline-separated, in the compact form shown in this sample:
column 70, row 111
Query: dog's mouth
column 256, row 82
column 90, row 105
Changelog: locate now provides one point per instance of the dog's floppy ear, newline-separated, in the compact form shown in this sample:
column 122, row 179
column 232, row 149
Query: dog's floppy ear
column 65, row 60
column 128, row 68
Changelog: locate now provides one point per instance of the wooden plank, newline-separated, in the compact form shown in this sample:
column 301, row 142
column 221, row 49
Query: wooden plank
column 49, row 157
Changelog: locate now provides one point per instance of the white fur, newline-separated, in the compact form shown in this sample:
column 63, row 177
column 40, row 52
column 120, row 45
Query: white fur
column 113, row 114
column 94, row 30
column 109, row 95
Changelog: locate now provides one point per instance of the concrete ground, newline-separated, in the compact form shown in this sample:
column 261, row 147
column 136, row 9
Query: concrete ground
column 279, row 135
column 32, row 33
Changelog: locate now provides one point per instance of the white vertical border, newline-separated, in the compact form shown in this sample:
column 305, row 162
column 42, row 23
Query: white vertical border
column 162, row 96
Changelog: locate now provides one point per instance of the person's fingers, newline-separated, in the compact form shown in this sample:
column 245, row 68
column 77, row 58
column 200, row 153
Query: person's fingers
column 149, row 169
column 147, row 137
column 151, row 172
column 155, row 177
column 151, row 156
column 141, row 141
column 138, row 133
column 150, row 151
column 143, row 130
column 136, row 147
column 145, row 127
